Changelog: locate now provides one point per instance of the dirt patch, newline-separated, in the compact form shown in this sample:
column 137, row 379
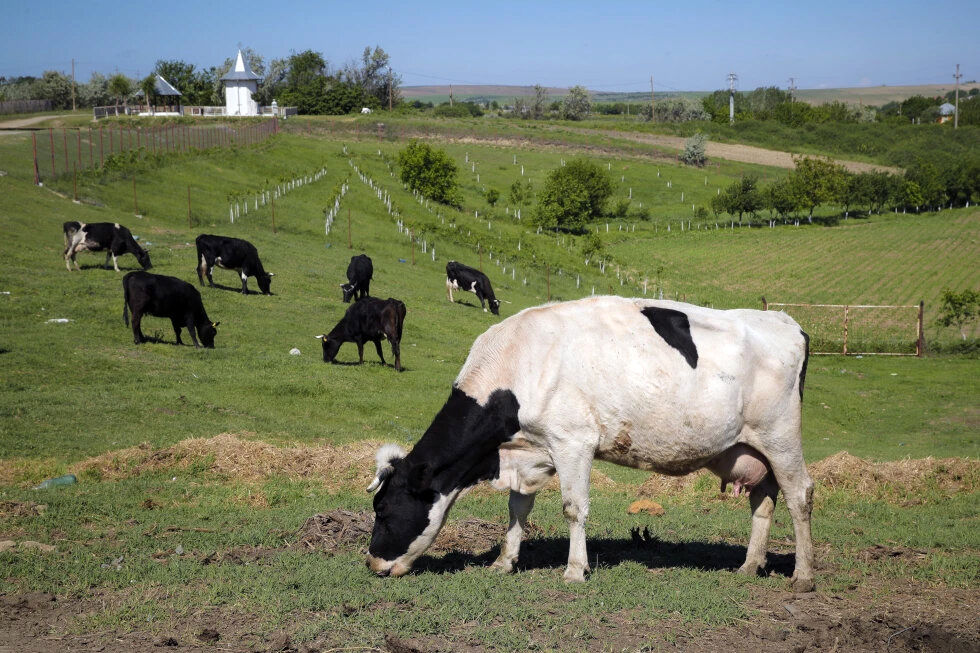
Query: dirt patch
column 21, row 509
column 346, row 530
column 235, row 456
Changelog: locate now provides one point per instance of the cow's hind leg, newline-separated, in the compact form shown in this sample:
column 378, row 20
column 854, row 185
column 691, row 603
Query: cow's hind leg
column 449, row 290
column 109, row 255
column 138, row 336
column 763, row 502
column 794, row 480
column 377, row 345
column 520, row 507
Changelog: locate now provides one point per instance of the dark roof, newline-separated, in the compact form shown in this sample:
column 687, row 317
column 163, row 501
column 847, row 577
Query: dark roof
column 163, row 87
column 235, row 75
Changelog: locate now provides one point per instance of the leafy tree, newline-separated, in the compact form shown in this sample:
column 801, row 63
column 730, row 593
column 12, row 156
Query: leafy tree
column 577, row 104
column 882, row 187
column 522, row 193
column 855, row 191
column 55, row 87
column 958, row 309
column 910, row 194
column 492, row 196
column 342, row 98
column 780, row 199
column 693, row 153
column 431, row 172
column 591, row 245
column 817, row 181
column 305, row 82
column 374, row 76
column 539, row 102
column 149, row 87
column 742, row 196
column 120, row 87
column 95, row 92
column 572, row 195
column 930, row 183
column 194, row 87
column 676, row 109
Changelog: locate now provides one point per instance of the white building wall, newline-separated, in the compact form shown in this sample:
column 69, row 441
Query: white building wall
column 238, row 98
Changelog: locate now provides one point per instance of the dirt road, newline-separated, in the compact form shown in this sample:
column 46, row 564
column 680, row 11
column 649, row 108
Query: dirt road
column 25, row 122
column 734, row 151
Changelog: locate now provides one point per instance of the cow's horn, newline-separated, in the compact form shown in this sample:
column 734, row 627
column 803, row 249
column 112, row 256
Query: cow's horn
column 321, row 336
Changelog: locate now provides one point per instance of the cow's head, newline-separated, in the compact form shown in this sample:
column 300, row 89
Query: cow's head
column 495, row 306
column 348, row 289
column 206, row 334
column 143, row 257
column 408, row 513
column 330, row 347
column 265, row 280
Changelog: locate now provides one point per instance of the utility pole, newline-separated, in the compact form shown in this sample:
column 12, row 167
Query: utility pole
column 792, row 87
column 73, row 84
column 652, row 114
column 956, row 113
column 389, row 88
column 731, row 97
column 450, row 95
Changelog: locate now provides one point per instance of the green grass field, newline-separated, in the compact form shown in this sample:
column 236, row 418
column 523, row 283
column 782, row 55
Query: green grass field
column 75, row 390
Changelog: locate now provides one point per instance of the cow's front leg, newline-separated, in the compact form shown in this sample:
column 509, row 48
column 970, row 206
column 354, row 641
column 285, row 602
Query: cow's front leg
column 114, row 264
column 244, row 283
column 191, row 329
column 107, row 255
column 449, row 291
column 176, row 325
column 360, row 351
column 377, row 345
column 520, row 507
column 574, row 465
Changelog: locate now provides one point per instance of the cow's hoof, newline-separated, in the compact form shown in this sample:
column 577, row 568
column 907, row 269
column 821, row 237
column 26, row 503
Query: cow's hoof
column 802, row 585
column 750, row 569
column 502, row 566
column 573, row 575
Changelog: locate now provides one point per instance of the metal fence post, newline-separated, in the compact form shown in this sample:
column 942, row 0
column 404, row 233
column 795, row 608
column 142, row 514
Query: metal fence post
column 920, row 343
column 845, row 330
column 37, row 174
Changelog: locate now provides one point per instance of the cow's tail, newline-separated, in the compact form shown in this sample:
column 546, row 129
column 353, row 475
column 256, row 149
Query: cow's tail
column 806, row 358
column 125, row 303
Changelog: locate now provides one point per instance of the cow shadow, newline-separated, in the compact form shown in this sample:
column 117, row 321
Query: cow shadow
column 642, row 548
column 235, row 289
column 464, row 303
column 99, row 266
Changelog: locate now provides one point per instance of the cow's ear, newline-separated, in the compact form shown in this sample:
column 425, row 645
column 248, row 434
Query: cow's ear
column 322, row 336
column 270, row 274
column 386, row 458
column 420, row 476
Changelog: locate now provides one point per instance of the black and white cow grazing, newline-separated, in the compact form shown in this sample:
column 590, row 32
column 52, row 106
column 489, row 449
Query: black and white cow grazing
column 232, row 254
column 463, row 277
column 161, row 296
column 367, row 320
column 112, row 237
column 360, row 270
column 654, row 385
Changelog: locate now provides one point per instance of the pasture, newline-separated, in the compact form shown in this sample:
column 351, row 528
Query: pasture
column 199, row 470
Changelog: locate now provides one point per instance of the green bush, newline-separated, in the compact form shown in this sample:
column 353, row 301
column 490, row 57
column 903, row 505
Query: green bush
column 430, row 172
column 573, row 194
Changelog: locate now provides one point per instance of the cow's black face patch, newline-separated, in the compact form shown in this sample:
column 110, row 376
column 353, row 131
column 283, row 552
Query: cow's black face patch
column 143, row 257
column 348, row 290
column 206, row 334
column 458, row 450
column 265, row 282
column 330, row 349
column 674, row 327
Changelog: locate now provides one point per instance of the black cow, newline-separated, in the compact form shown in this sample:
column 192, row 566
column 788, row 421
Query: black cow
column 97, row 236
column 161, row 296
column 368, row 319
column 359, row 273
column 231, row 254
column 463, row 277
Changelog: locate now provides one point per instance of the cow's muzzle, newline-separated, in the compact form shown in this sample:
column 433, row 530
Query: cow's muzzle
column 386, row 568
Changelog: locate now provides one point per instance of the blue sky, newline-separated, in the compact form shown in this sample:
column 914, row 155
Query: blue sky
column 610, row 46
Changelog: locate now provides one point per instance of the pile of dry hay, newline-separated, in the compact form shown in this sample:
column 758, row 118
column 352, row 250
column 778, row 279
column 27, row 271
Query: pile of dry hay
column 231, row 455
column 897, row 480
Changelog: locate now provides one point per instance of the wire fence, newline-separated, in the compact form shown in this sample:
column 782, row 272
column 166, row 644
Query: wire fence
column 859, row 330
column 61, row 152
column 25, row 106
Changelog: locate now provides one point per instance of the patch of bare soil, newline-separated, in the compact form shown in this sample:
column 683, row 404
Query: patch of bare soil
column 346, row 530
column 21, row 509
column 241, row 458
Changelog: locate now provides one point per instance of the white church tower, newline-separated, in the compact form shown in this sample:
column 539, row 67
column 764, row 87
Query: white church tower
column 240, row 83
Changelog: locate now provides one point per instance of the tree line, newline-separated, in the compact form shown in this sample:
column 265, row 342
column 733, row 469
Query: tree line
column 304, row 79
column 816, row 182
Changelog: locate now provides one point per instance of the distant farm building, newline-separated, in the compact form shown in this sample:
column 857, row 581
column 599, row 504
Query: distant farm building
column 946, row 111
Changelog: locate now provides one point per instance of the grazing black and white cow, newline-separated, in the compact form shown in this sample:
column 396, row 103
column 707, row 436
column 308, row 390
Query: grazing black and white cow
column 654, row 385
column 231, row 254
column 161, row 296
column 359, row 273
column 367, row 320
column 112, row 237
column 463, row 277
